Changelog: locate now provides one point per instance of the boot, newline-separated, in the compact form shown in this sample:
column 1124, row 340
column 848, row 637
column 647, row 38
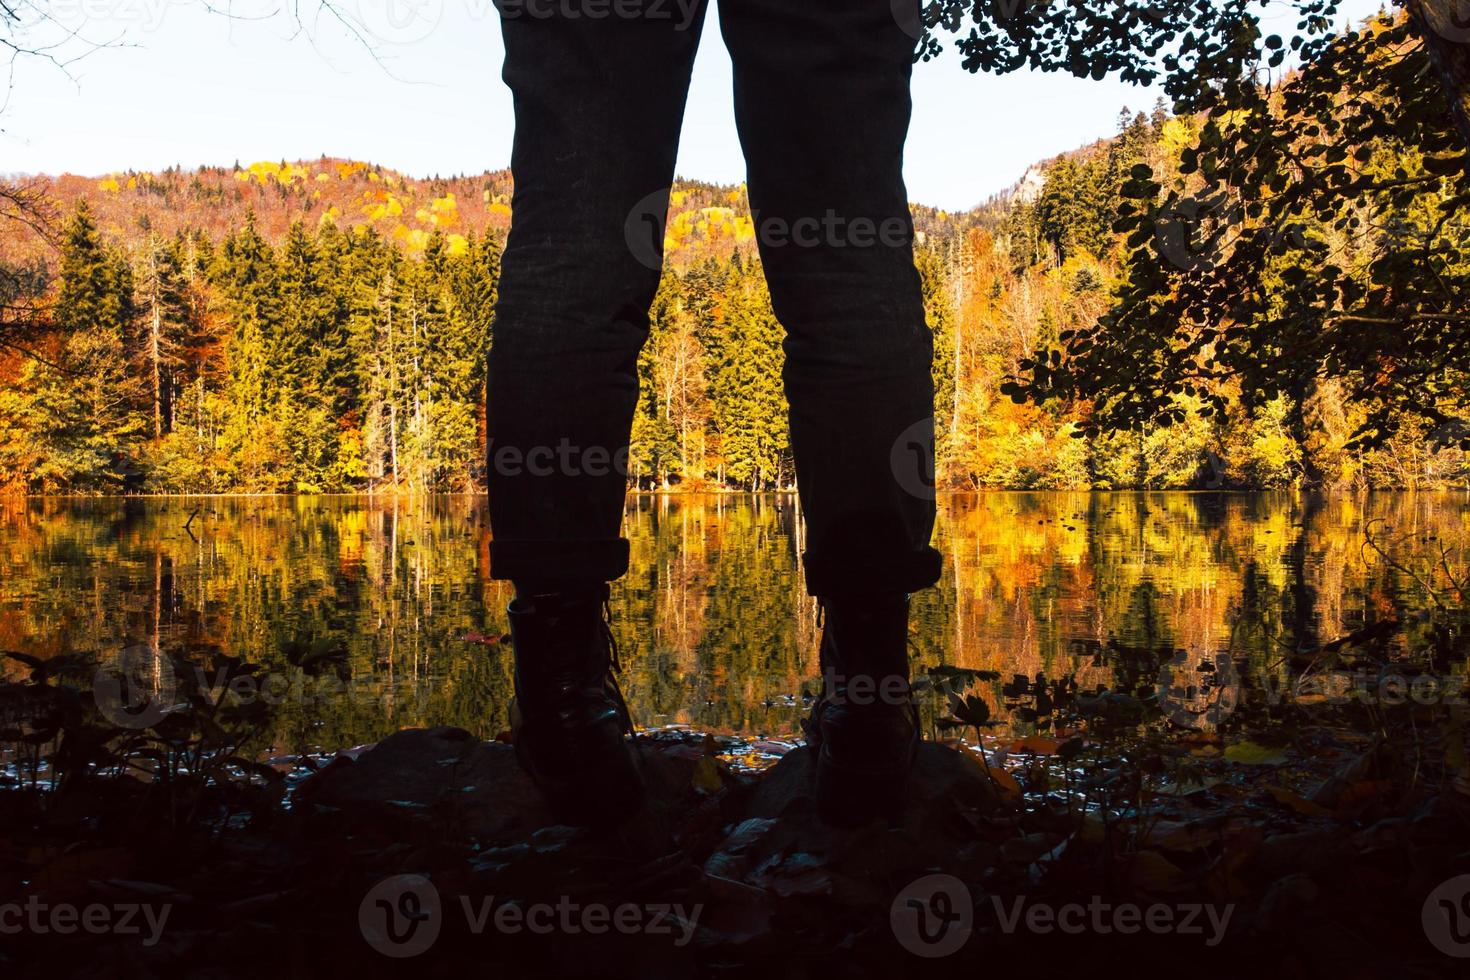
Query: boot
column 569, row 721
column 864, row 727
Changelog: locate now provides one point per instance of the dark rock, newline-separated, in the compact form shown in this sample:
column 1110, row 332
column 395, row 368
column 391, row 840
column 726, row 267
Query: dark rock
column 943, row 780
column 781, row 843
column 445, row 773
column 426, row 785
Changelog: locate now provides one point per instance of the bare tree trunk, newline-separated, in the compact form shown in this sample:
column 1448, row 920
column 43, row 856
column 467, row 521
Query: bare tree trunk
column 155, row 331
column 153, row 354
column 393, row 441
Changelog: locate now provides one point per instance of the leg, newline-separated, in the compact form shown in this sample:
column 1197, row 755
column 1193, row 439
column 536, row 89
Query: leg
column 598, row 103
column 822, row 102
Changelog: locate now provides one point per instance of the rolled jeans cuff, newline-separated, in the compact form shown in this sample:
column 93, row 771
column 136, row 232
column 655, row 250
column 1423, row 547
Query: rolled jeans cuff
column 839, row 575
column 560, row 561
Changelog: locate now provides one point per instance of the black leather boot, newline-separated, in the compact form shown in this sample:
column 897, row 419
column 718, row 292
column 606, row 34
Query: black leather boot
column 569, row 721
column 864, row 728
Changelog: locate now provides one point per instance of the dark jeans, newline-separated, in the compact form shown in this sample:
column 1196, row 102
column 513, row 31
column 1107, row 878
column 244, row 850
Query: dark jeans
column 822, row 104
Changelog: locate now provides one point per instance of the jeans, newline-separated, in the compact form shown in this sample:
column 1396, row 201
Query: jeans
column 822, row 105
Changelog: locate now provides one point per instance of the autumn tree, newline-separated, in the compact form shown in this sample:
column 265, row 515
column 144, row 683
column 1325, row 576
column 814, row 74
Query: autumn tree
column 1304, row 237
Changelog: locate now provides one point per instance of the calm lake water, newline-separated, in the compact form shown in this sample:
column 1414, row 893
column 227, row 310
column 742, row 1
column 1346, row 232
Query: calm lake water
column 715, row 629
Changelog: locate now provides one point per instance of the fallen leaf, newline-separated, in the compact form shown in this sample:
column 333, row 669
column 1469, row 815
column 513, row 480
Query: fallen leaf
column 1036, row 745
column 1007, row 784
column 1254, row 754
column 707, row 778
column 1298, row 803
column 1150, row 871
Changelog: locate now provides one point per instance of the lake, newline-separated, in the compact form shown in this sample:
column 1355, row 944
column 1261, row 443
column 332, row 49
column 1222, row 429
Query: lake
column 392, row 596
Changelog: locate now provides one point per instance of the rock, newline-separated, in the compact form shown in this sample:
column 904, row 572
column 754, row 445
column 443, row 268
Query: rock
column 451, row 785
column 943, row 780
column 445, row 772
column 733, row 859
column 780, row 843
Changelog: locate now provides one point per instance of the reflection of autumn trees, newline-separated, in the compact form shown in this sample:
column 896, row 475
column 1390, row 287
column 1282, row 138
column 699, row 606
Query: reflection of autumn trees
column 396, row 588
column 713, row 621
column 1031, row 577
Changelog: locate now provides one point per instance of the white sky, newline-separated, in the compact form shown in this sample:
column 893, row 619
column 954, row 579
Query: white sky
column 196, row 88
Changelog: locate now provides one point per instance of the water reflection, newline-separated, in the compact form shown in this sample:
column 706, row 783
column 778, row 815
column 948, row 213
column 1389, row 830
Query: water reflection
column 713, row 622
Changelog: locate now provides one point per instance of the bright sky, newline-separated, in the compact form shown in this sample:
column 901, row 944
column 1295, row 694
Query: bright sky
column 200, row 88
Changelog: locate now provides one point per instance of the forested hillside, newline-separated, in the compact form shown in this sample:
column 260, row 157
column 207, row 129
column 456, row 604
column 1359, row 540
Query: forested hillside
column 323, row 326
